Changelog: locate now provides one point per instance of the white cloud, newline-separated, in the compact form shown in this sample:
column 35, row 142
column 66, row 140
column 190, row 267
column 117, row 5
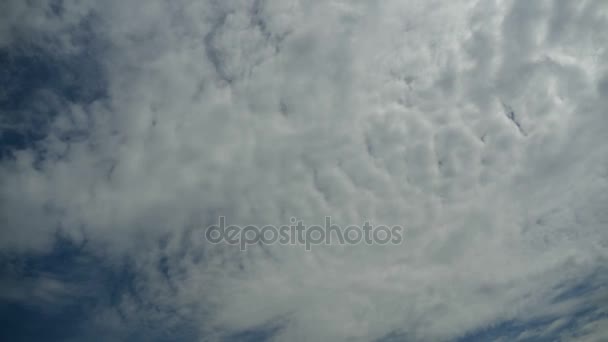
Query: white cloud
column 479, row 126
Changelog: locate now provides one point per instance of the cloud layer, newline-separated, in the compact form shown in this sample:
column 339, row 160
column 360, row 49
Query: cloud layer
column 479, row 126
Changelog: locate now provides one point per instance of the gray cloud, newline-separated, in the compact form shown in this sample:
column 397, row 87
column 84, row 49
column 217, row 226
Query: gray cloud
column 478, row 126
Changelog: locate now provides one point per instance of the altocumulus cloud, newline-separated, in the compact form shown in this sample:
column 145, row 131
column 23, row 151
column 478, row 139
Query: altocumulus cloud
column 479, row 126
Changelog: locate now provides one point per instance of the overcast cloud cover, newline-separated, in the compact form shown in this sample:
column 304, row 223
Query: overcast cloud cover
column 481, row 127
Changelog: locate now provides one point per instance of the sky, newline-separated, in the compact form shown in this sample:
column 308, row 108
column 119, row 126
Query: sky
column 128, row 127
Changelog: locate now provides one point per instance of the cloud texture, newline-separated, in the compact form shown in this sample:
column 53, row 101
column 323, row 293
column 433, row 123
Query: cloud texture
column 479, row 126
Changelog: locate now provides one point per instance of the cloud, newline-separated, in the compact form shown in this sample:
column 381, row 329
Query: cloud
column 478, row 126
